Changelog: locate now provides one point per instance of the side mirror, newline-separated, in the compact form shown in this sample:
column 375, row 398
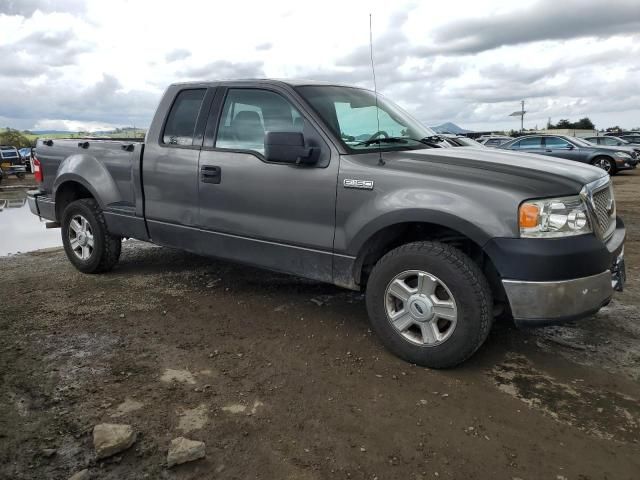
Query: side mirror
column 289, row 147
column 570, row 147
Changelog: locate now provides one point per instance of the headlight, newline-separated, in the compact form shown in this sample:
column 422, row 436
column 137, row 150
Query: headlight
column 554, row 217
column 622, row 155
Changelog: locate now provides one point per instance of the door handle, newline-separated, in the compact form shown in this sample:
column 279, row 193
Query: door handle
column 210, row 174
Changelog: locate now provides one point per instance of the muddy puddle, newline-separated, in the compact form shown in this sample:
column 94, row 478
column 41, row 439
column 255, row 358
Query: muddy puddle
column 20, row 230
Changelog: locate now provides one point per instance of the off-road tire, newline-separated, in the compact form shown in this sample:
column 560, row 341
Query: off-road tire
column 468, row 286
column 106, row 250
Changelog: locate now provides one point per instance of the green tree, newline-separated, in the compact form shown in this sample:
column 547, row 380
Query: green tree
column 584, row 124
column 14, row 138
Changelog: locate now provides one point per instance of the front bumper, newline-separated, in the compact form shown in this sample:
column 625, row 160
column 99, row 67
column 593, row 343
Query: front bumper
column 550, row 281
column 547, row 303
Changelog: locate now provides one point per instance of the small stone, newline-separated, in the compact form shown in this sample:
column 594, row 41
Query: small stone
column 362, row 449
column 423, row 402
column 48, row 452
column 444, row 395
column 81, row 475
column 110, row 438
column 317, row 301
column 600, row 410
column 182, row 450
column 122, row 315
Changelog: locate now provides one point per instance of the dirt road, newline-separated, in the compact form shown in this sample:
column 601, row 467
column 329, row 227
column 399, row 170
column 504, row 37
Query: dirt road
column 282, row 379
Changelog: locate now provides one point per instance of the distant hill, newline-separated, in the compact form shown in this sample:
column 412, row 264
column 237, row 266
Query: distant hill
column 67, row 132
column 49, row 132
column 449, row 127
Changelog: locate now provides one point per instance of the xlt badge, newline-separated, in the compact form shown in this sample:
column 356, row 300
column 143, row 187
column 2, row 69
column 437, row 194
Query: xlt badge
column 361, row 184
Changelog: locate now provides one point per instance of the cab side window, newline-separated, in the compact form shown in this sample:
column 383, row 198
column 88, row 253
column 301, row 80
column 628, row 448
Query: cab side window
column 181, row 122
column 530, row 143
column 555, row 142
column 248, row 114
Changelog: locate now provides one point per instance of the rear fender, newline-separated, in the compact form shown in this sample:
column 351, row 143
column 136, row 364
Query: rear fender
column 80, row 168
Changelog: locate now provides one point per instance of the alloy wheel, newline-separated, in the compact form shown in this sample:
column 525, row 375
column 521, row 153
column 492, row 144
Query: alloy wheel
column 421, row 308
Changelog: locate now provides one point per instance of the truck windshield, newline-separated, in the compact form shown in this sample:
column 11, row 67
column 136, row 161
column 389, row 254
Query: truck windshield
column 351, row 114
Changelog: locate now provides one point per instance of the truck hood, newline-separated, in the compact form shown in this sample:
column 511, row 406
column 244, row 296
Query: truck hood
column 567, row 175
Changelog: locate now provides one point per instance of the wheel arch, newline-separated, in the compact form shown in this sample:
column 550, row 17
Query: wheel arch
column 391, row 236
column 72, row 182
column 70, row 190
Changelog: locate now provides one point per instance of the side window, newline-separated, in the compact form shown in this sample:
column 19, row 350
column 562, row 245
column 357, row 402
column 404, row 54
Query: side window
column 608, row 141
column 492, row 142
column 515, row 145
column 181, row 122
column 533, row 142
column 248, row 113
column 555, row 142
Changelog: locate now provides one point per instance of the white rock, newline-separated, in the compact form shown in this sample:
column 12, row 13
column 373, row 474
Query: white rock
column 182, row 450
column 81, row 475
column 109, row 439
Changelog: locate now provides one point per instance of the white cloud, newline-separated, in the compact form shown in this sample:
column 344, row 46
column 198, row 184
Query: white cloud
column 107, row 63
column 73, row 126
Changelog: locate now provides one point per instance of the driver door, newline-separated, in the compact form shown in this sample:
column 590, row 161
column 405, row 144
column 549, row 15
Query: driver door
column 274, row 215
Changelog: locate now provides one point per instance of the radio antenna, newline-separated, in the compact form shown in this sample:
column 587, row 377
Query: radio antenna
column 375, row 87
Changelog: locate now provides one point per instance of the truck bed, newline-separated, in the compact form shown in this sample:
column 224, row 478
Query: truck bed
column 113, row 165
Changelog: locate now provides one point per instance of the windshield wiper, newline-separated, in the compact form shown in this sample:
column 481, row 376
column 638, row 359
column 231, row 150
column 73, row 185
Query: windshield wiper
column 371, row 141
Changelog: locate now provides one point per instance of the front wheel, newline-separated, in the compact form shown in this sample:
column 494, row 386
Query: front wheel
column 88, row 244
column 429, row 304
column 606, row 164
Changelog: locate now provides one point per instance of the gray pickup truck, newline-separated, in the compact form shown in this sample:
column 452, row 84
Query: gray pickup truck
column 336, row 184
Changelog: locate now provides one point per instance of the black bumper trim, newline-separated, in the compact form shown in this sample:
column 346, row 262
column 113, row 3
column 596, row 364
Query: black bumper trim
column 542, row 260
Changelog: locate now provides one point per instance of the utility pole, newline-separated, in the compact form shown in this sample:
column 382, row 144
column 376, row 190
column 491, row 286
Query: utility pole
column 521, row 115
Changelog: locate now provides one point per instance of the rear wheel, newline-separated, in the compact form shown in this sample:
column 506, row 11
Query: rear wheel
column 606, row 164
column 86, row 240
column 429, row 304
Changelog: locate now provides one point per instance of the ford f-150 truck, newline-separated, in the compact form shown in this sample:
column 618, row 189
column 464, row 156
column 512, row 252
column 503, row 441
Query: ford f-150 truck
column 340, row 185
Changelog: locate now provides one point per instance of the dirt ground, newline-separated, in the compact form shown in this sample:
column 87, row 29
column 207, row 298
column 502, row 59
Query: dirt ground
column 282, row 378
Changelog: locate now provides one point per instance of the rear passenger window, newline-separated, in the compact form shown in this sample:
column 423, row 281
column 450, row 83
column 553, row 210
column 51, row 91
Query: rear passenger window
column 533, row 142
column 181, row 123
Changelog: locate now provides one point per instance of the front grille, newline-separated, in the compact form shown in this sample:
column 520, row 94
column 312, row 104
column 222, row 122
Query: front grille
column 604, row 209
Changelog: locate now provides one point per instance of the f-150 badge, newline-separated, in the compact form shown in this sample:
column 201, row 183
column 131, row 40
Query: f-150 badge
column 361, row 184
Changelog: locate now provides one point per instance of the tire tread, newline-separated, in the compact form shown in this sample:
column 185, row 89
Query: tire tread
column 472, row 273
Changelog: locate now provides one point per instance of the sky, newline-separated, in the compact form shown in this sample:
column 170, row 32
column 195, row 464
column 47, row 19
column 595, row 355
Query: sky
column 98, row 64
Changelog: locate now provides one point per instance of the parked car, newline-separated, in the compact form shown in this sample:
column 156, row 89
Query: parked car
column 613, row 142
column 493, row 140
column 610, row 159
column 633, row 138
column 298, row 177
column 619, row 134
column 26, row 156
column 460, row 141
column 11, row 162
